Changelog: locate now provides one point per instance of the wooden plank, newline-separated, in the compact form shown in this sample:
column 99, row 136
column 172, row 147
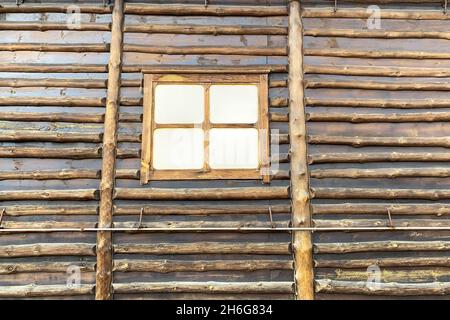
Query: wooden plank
column 46, row 26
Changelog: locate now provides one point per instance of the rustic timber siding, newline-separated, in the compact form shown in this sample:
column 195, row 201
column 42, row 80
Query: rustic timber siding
column 51, row 126
column 377, row 105
column 372, row 122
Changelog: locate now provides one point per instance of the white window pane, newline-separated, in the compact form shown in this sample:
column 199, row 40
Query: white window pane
column 234, row 103
column 179, row 103
column 178, row 149
column 233, row 148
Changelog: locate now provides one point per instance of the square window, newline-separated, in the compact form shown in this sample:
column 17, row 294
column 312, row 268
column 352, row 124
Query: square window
column 234, row 103
column 178, row 149
column 207, row 125
column 233, row 149
column 179, row 103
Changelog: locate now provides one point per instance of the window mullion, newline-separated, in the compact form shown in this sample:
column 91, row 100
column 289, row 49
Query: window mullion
column 206, row 127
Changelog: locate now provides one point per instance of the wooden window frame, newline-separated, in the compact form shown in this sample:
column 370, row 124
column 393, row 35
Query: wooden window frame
column 148, row 173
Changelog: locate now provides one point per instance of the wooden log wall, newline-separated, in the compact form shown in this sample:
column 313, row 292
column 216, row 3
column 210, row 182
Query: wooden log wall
column 52, row 100
column 54, row 84
column 208, row 264
column 378, row 152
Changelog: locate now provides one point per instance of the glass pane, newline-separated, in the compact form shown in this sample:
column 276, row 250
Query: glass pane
column 233, row 148
column 234, row 103
column 179, row 103
column 178, row 149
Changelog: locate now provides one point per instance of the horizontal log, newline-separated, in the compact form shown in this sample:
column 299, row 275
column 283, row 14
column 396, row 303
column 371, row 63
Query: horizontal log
column 50, row 210
column 379, row 117
column 348, row 53
column 37, row 267
column 53, row 8
column 381, row 141
column 206, row 286
column 379, row 157
column 210, row 10
column 379, row 103
column 279, row 102
column 49, row 136
column 376, row 71
column 64, row 174
column 244, row 193
column 382, row 289
column 128, row 153
column 373, row 223
column 276, row 248
column 439, row 209
column 208, row 69
column 54, row 68
column 381, row 246
column 278, row 117
column 33, row 290
column 47, row 249
column 46, row 226
column 377, row 85
column 200, row 209
column 46, row 26
column 275, row 83
column 377, row 34
column 42, row 47
column 198, row 50
column 54, row 101
column 199, row 29
column 130, row 174
column 46, row 153
column 380, row 173
column 349, row 13
column 52, row 117
column 54, row 83
column 198, row 225
column 76, row 194
column 374, row 193
column 130, row 117
column 384, row 262
column 405, row 275
column 167, row 266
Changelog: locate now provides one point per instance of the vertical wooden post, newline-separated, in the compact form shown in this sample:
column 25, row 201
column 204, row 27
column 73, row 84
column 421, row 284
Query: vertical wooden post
column 301, row 213
column 103, row 288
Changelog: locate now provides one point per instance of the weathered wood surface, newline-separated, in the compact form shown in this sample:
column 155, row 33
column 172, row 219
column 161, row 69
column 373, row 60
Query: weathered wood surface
column 167, row 266
column 211, row 287
column 393, row 289
column 47, row 249
column 301, row 214
column 103, row 287
column 204, row 248
column 245, row 193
